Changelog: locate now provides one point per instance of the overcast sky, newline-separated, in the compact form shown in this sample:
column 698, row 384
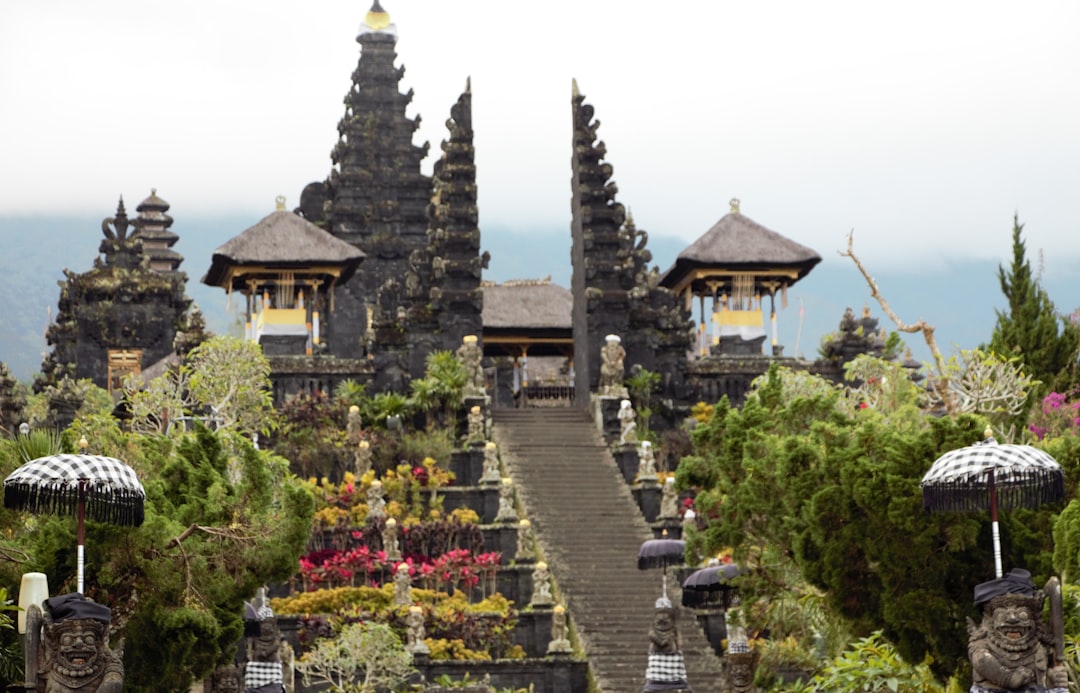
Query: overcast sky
column 923, row 126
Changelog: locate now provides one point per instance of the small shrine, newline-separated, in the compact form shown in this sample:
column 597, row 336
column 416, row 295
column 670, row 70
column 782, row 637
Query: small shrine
column 732, row 269
column 286, row 268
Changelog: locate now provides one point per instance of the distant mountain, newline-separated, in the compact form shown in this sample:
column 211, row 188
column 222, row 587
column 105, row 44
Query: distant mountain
column 959, row 299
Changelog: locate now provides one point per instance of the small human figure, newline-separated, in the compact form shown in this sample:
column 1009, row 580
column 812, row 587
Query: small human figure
column 669, row 500
column 414, row 622
column 391, row 545
column 626, row 420
column 362, row 458
column 646, row 462
column 353, row 427
column 526, row 542
column 507, row 512
column 541, row 591
column 471, row 357
column 476, row 424
column 376, row 504
column 402, row 585
column 492, row 474
column 560, row 643
column 612, row 368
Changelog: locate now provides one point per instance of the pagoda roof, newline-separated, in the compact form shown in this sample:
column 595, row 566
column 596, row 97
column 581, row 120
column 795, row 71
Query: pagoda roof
column 528, row 305
column 283, row 240
column 738, row 244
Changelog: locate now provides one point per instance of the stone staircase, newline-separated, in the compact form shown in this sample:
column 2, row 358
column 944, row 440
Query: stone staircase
column 590, row 529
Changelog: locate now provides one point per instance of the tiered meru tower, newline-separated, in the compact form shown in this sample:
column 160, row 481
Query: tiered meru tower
column 122, row 316
column 419, row 288
column 614, row 290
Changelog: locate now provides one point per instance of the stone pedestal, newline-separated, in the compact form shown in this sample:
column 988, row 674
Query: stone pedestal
column 467, row 466
column 626, row 456
column 647, row 495
column 606, row 416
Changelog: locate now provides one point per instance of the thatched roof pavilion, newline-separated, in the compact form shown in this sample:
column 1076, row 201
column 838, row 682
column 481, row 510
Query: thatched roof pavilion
column 287, row 269
column 736, row 264
column 530, row 316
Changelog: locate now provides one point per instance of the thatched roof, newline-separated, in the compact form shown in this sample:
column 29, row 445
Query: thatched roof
column 283, row 240
column 737, row 243
column 527, row 305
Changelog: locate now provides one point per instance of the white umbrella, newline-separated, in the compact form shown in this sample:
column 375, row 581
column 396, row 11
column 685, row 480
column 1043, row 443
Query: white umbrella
column 986, row 476
column 101, row 488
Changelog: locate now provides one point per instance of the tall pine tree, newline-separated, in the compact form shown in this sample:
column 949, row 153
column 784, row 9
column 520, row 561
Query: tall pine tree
column 1047, row 342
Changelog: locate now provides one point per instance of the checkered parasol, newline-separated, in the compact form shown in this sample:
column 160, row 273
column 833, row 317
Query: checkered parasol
column 111, row 491
column 101, row 488
column 985, row 475
column 1023, row 477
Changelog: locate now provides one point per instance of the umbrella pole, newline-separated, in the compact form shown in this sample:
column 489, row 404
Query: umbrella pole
column 994, row 524
column 80, row 534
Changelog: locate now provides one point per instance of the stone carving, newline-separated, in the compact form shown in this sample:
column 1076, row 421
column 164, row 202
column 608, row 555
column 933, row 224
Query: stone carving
column 402, row 586
column 738, row 672
column 67, row 643
column 415, row 624
column 666, row 669
column 353, row 428
column 612, row 367
column 507, row 512
column 362, row 458
column 391, row 545
column 627, row 425
column 560, row 643
column 263, row 671
column 646, row 462
column 476, row 424
column 526, row 543
column 227, row 679
column 1012, row 649
column 541, row 589
column 471, row 355
column 376, row 504
column 492, row 474
column 669, row 500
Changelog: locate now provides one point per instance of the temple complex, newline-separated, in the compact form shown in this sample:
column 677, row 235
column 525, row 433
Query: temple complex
column 380, row 265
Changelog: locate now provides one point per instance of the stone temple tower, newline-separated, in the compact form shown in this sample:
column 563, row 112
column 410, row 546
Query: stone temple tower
column 418, row 289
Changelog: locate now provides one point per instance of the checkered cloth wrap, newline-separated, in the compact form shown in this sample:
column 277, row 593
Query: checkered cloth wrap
column 51, row 485
column 1024, row 477
column 258, row 674
column 665, row 667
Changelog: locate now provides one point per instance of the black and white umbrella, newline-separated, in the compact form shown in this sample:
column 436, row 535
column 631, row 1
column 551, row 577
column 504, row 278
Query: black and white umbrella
column 661, row 553
column 988, row 475
column 704, row 585
column 101, row 488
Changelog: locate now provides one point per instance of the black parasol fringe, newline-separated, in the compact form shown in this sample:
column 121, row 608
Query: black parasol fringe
column 121, row 507
column 1021, row 490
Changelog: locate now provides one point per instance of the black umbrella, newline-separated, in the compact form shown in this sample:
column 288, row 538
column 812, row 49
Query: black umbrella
column 101, row 488
column 708, row 583
column 987, row 475
column 661, row 553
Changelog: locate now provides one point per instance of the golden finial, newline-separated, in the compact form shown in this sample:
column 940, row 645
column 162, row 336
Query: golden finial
column 988, row 433
column 280, row 202
column 377, row 18
column 83, row 444
column 734, row 205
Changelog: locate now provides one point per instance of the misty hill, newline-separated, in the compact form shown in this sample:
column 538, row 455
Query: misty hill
column 959, row 300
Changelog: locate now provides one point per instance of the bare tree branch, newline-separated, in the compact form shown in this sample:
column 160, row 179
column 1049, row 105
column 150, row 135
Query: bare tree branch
column 922, row 326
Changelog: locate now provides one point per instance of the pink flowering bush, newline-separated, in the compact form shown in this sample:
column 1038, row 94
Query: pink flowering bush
column 1056, row 417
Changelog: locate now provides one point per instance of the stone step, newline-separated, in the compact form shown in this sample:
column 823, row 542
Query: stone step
column 590, row 528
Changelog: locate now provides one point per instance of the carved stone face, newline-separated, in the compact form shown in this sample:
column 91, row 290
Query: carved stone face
column 1014, row 627
column 265, row 646
column 77, row 645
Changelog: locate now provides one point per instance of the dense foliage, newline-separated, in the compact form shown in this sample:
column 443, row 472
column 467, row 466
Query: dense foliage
column 833, row 485
column 1031, row 328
